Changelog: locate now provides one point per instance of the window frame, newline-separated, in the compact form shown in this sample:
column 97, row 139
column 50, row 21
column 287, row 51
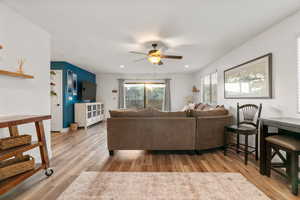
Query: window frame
column 145, row 91
column 298, row 73
column 210, row 75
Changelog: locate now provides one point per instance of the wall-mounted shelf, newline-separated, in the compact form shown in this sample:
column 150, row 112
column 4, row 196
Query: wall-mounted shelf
column 15, row 74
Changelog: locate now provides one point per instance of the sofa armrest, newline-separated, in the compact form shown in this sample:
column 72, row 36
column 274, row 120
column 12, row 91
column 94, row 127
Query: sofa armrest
column 210, row 131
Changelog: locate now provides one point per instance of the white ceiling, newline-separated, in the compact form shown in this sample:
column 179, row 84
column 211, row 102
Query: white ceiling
column 97, row 34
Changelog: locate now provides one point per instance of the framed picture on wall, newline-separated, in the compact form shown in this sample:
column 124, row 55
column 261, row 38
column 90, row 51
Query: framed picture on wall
column 75, row 86
column 70, row 82
column 250, row 80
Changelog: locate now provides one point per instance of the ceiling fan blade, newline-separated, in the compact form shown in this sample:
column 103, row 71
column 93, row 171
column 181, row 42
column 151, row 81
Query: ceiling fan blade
column 171, row 56
column 140, row 59
column 160, row 63
column 135, row 52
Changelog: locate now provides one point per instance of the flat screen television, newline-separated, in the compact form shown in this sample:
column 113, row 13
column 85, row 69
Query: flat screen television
column 88, row 91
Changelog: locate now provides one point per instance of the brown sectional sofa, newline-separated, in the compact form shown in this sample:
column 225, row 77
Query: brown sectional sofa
column 153, row 130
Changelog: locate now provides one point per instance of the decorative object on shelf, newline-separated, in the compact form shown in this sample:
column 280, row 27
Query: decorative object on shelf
column 52, row 84
column 195, row 90
column 15, row 166
column 250, row 80
column 10, row 142
column 1, row 46
column 21, row 62
column 52, row 93
column 52, row 73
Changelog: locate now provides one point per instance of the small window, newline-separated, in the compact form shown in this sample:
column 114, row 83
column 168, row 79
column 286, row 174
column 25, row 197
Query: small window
column 209, row 87
column 298, row 66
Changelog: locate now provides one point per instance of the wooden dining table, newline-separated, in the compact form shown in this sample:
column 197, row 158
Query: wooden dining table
column 284, row 125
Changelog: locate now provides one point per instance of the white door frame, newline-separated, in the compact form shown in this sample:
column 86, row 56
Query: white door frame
column 57, row 104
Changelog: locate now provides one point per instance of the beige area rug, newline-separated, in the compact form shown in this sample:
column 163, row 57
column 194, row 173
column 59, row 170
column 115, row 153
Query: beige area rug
column 169, row 185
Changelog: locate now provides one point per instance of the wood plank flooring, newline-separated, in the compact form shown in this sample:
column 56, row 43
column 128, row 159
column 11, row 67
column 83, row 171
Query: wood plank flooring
column 81, row 151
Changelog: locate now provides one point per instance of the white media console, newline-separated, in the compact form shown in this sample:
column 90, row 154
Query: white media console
column 87, row 114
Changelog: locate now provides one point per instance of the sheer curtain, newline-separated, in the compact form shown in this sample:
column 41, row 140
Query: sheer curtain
column 167, row 95
column 121, row 93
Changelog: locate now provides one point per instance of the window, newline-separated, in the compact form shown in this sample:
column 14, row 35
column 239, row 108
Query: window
column 209, row 88
column 143, row 95
column 298, row 63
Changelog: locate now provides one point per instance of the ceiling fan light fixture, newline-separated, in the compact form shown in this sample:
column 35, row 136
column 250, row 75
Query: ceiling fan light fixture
column 154, row 59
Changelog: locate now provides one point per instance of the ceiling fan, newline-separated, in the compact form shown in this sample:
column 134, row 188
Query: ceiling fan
column 155, row 56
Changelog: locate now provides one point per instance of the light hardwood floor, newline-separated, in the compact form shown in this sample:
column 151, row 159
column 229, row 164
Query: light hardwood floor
column 86, row 151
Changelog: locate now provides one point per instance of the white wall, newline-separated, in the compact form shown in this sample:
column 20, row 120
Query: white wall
column 21, row 38
column 281, row 40
column 181, row 87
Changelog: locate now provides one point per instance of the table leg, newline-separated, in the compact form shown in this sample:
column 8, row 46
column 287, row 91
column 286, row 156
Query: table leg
column 263, row 134
column 43, row 148
column 13, row 131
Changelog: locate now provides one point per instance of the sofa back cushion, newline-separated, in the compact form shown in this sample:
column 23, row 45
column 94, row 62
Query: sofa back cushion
column 212, row 112
column 170, row 114
column 148, row 112
column 130, row 113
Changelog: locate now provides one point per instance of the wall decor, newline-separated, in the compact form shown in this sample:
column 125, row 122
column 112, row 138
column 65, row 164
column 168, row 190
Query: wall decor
column 250, row 80
column 75, row 85
column 70, row 82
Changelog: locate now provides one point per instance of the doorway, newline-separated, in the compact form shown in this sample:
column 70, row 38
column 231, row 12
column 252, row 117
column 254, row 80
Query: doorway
column 56, row 82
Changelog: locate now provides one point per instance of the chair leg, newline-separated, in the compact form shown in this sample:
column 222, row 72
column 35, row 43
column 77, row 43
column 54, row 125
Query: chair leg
column 238, row 143
column 268, row 159
column 246, row 149
column 256, row 146
column 288, row 167
column 225, row 142
column 294, row 172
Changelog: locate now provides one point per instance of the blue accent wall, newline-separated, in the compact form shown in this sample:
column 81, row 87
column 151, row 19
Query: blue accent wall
column 68, row 99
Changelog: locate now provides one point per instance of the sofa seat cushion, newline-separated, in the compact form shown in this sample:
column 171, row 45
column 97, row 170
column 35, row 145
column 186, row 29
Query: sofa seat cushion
column 213, row 112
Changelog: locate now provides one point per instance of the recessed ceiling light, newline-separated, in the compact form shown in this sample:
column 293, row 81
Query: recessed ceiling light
column 186, row 66
column 122, row 66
